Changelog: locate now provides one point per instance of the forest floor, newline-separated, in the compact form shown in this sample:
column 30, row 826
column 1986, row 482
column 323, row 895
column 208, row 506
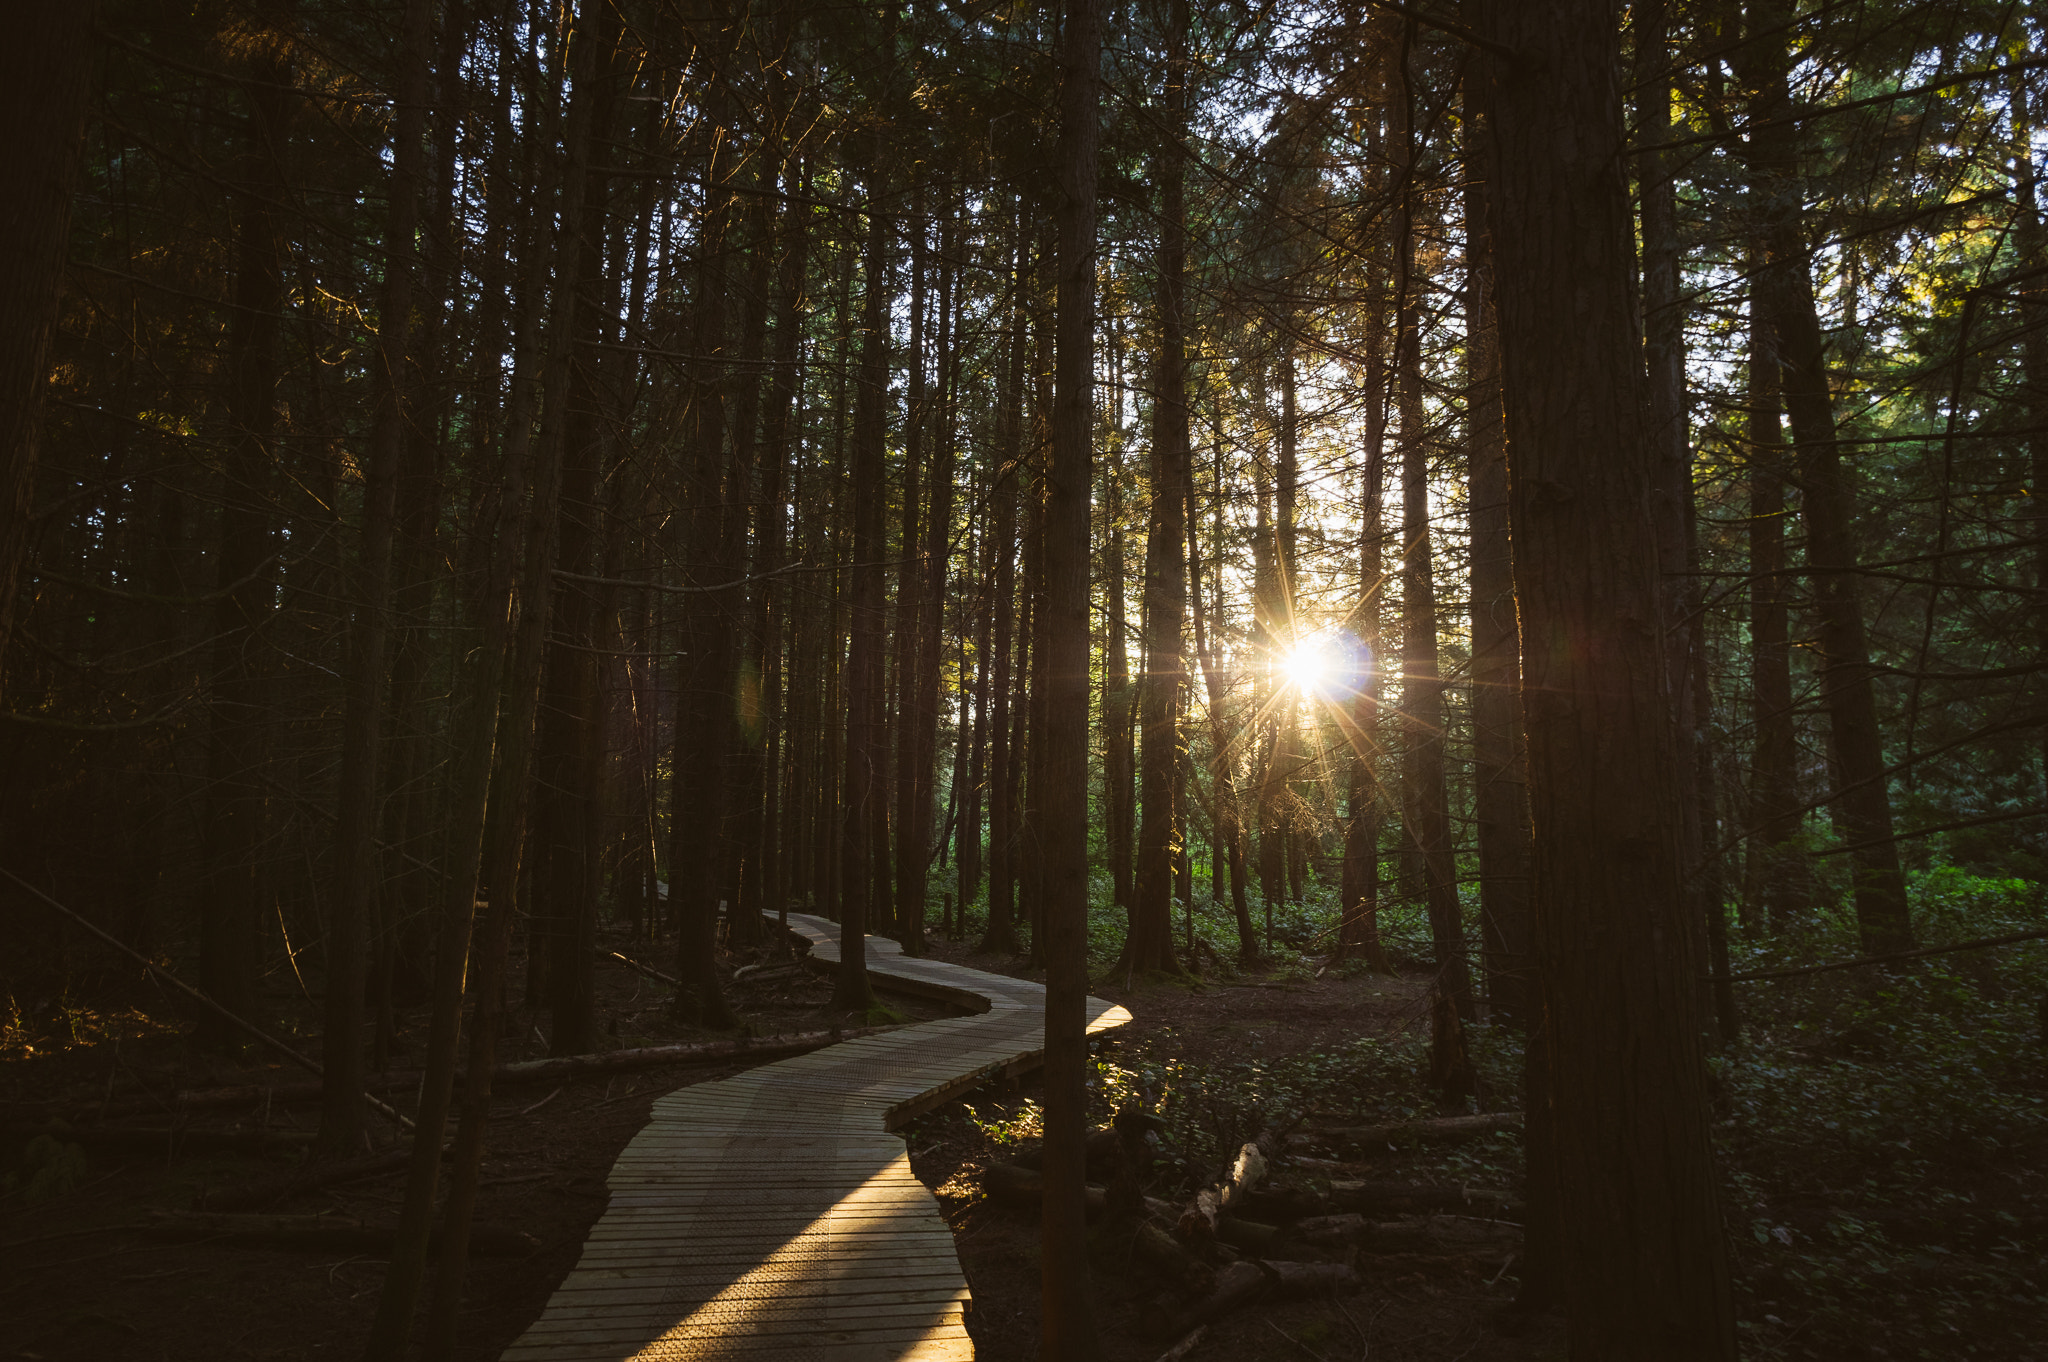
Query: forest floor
column 82, row 1278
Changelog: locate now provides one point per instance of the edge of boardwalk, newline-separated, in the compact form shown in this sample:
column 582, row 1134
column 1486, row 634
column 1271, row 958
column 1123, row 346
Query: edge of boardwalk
column 773, row 1215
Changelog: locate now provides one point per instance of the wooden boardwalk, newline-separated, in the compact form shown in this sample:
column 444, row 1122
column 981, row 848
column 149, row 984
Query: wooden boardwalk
column 773, row 1216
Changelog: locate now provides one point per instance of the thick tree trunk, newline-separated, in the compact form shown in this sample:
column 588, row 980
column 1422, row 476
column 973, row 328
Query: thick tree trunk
column 1624, row 1157
column 1068, row 1324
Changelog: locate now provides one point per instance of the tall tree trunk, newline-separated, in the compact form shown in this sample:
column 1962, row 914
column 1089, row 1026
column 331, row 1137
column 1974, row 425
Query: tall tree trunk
column 1689, row 700
column 1771, row 869
column 1422, row 691
column 1622, row 1157
column 1227, row 815
column 1001, row 933
column 1827, row 499
column 1150, row 946
column 922, row 722
column 865, row 795
column 403, row 949
column 569, row 745
column 1119, row 769
column 2029, row 240
column 973, row 795
column 1366, row 799
column 355, row 824
column 777, row 449
column 1068, row 1323
column 1501, row 794
column 232, row 874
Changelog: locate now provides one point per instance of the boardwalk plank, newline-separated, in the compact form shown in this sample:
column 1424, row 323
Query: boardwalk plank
column 772, row 1217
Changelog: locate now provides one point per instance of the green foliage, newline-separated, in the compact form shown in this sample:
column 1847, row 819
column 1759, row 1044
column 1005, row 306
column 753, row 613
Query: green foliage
column 1027, row 1122
column 1865, row 1119
column 1210, row 1110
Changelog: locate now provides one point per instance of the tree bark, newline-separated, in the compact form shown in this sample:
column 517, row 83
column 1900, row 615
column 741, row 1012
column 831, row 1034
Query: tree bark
column 1150, row 947
column 864, row 800
column 1499, row 774
column 1640, row 1258
column 1771, row 869
column 1422, row 691
column 1785, row 285
column 1068, row 1324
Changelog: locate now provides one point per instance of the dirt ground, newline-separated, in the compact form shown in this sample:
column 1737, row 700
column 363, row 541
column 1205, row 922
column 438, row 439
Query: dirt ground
column 79, row 1279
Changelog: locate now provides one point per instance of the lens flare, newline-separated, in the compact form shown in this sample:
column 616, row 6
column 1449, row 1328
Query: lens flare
column 1311, row 666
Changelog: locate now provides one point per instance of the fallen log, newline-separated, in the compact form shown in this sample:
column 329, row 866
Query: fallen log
column 1248, row 1235
column 1105, row 1152
column 1015, row 1185
column 652, row 973
column 1443, row 1130
column 321, row 1232
column 1279, row 1205
column 1199, row 1220
column 698, row 1052
column 1172, row 1259
column 1394, row 1198
column 165, row 1140
column 1239, row 1284
column 1440, row 1234
column 1300, row 1281
column 238, row 1095
column 526, row 1071
column 750, row 975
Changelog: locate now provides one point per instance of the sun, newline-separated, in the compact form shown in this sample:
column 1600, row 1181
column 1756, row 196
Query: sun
column 1310, row 666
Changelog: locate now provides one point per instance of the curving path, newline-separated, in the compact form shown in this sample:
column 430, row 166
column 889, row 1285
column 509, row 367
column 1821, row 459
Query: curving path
column 773, row 1216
